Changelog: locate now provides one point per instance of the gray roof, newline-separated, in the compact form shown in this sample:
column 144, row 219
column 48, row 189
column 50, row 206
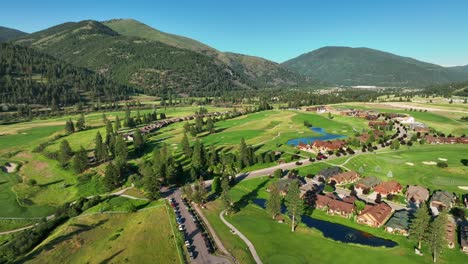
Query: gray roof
column 443, row 197
column 329, row 172
column 399, row 220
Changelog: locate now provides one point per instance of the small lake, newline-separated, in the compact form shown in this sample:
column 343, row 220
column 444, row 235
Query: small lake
column 310, row 140
column 339, row 232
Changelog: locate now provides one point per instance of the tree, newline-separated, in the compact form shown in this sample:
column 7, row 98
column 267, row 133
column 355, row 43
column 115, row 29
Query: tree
column 435, row 236
column 111, row 176
column 100, row 148
column 109, row 132
column 419, row 224
column 81, row 123
column 225, row 198
column 121, row 151
column 65, row 153
column 118, row 124
column 210, row 126
column 216, row 185
column 80, row 160
column 273, row 204
column 278, row 173
column 186, row 146
column 294, row 203
column 243, row 154
column 198, row 156
column 69, row 127
column 187, row 191
column 395, row 145
column 360, row 205
column 138, row 141
column 150, row 181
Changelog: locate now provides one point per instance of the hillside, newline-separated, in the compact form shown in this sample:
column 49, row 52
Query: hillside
column 31, row 77
column 7, row 34
column 151, row 65
column 364, row 66
column 259, row 71
column 460, row 68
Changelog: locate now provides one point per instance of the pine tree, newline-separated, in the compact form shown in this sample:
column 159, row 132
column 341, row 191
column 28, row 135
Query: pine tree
column 100, row 150
column 118, row 124
column 243, row 154
column 65, row 153
column 435, row 236
column 419, row 224
column 81, row 123
column 210, row 126
column 138, row 141
column 216, row 185
column 69, row 127
column 225, row 198
column 150, row 181
column 111, row 176
column 121, row 151
column 186, row 146
column 109, row 132
column 80, row 160
column 294, row 203
column 198, row 160
column 273, row 205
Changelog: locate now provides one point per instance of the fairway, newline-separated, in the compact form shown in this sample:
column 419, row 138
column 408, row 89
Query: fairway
column 142, row 237
column 28, row 137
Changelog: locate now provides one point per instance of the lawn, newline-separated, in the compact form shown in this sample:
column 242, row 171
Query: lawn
column 142, row 237
column 11, row 224
column 28, row 137
column 399, row 163
column 275, row 242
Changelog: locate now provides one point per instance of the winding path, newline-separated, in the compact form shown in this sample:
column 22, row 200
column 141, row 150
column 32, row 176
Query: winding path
column 244, row 238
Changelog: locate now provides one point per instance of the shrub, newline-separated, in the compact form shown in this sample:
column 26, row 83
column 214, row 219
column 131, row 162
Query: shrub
column 329, row 188
column 442, row 164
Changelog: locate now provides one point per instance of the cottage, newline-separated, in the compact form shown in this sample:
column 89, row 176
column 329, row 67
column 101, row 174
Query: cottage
column 389, row 187
column 464, row 237
column 344, row 178
column 340, row 208
column 377, row 124
column 322, row 201
column 399, row 223
column 375, row 216
column 366, row 184
column 442, row 200
column 416, row 194
column 333, row 145
column 450, row 232
column 327, row 173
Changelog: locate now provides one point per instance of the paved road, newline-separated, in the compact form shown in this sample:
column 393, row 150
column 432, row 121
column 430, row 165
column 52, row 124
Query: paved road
column 194, row 234
column 244, row 238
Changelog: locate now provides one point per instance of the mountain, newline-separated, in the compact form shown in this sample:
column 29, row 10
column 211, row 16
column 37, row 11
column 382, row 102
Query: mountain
column 151, row 65
column 460, row 68
column 28, row 76
column 364, row 66
column 7, row 34
column 259, row 71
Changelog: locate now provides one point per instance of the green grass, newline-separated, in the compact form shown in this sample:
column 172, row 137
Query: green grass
column 11, row 224
column 275, row 243
column 121, row 204
column 28, row 137
column 142, row 237
column 429, row 176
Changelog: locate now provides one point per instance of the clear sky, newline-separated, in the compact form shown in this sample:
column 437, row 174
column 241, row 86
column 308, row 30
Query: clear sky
column 429, row 30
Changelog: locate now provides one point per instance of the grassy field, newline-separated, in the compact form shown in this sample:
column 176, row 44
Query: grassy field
column 142, row 237
column 11, row 224
column 28, row 137
column 399, row 163
column 275, row 242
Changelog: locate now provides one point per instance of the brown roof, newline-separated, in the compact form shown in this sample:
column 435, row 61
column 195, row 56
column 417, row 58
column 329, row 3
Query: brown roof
column 349, row 199
column 348, row 176
column 337, row 205
column 331, row 145
column 322, row 200
column 379, row 212
column 417, row 193
column 388, row 187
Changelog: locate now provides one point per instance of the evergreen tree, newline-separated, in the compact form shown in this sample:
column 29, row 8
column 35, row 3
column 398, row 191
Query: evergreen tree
column 273, row 205
column 243, row 154
column 80, row 160
column 216, row 185
column 121, row 152
column 69, row 127
column 198, row 156
column 100, row 150
column 186, row 146
column 118, row 124
column 81, row 123
column 151, row 182
column 225, row 198
column 65, row 153
column 138, row 141
column 210, row 126
column 419, row 224
column 109, row 132
column 294, row 203
column 435, row 236
column 111, row 176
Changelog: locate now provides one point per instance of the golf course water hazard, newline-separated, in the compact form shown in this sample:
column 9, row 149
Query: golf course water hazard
column 339, row 232
column 310, row 140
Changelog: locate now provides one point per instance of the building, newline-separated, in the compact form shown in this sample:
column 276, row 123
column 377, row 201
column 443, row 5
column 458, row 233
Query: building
column 442, row 200
column 388, row 187
column 341, row 208
column 366, row 184
column 327, row 173
column 399, row 223
column 332, row 145
column 416, row 194
column 375, row 216
column 450, row 232
column 405, row 120
column 375, row 124
column 464, row 237
column 321, row 201
column 283, row 185
column 344, row 178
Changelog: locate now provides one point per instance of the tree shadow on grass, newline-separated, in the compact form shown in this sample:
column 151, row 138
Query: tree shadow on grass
column 244, row 200
column 54, row 242
column 51, row 183
column 108, row 260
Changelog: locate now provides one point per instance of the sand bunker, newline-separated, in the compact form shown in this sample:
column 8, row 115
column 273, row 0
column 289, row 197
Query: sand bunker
column 442, row 159
column 10, row 167
column 463, row 187
column 429, row 162
column 409, row 163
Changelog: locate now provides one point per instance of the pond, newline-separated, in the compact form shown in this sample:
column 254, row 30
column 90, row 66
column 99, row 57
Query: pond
column 339, row 232
column 310, row 140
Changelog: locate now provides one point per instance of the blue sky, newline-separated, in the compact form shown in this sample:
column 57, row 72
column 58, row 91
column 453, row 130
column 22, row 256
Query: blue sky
column 432, row 31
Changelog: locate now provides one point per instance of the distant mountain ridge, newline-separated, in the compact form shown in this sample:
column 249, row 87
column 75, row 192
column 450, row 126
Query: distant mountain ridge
column 7, row 34
column 364, row 66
